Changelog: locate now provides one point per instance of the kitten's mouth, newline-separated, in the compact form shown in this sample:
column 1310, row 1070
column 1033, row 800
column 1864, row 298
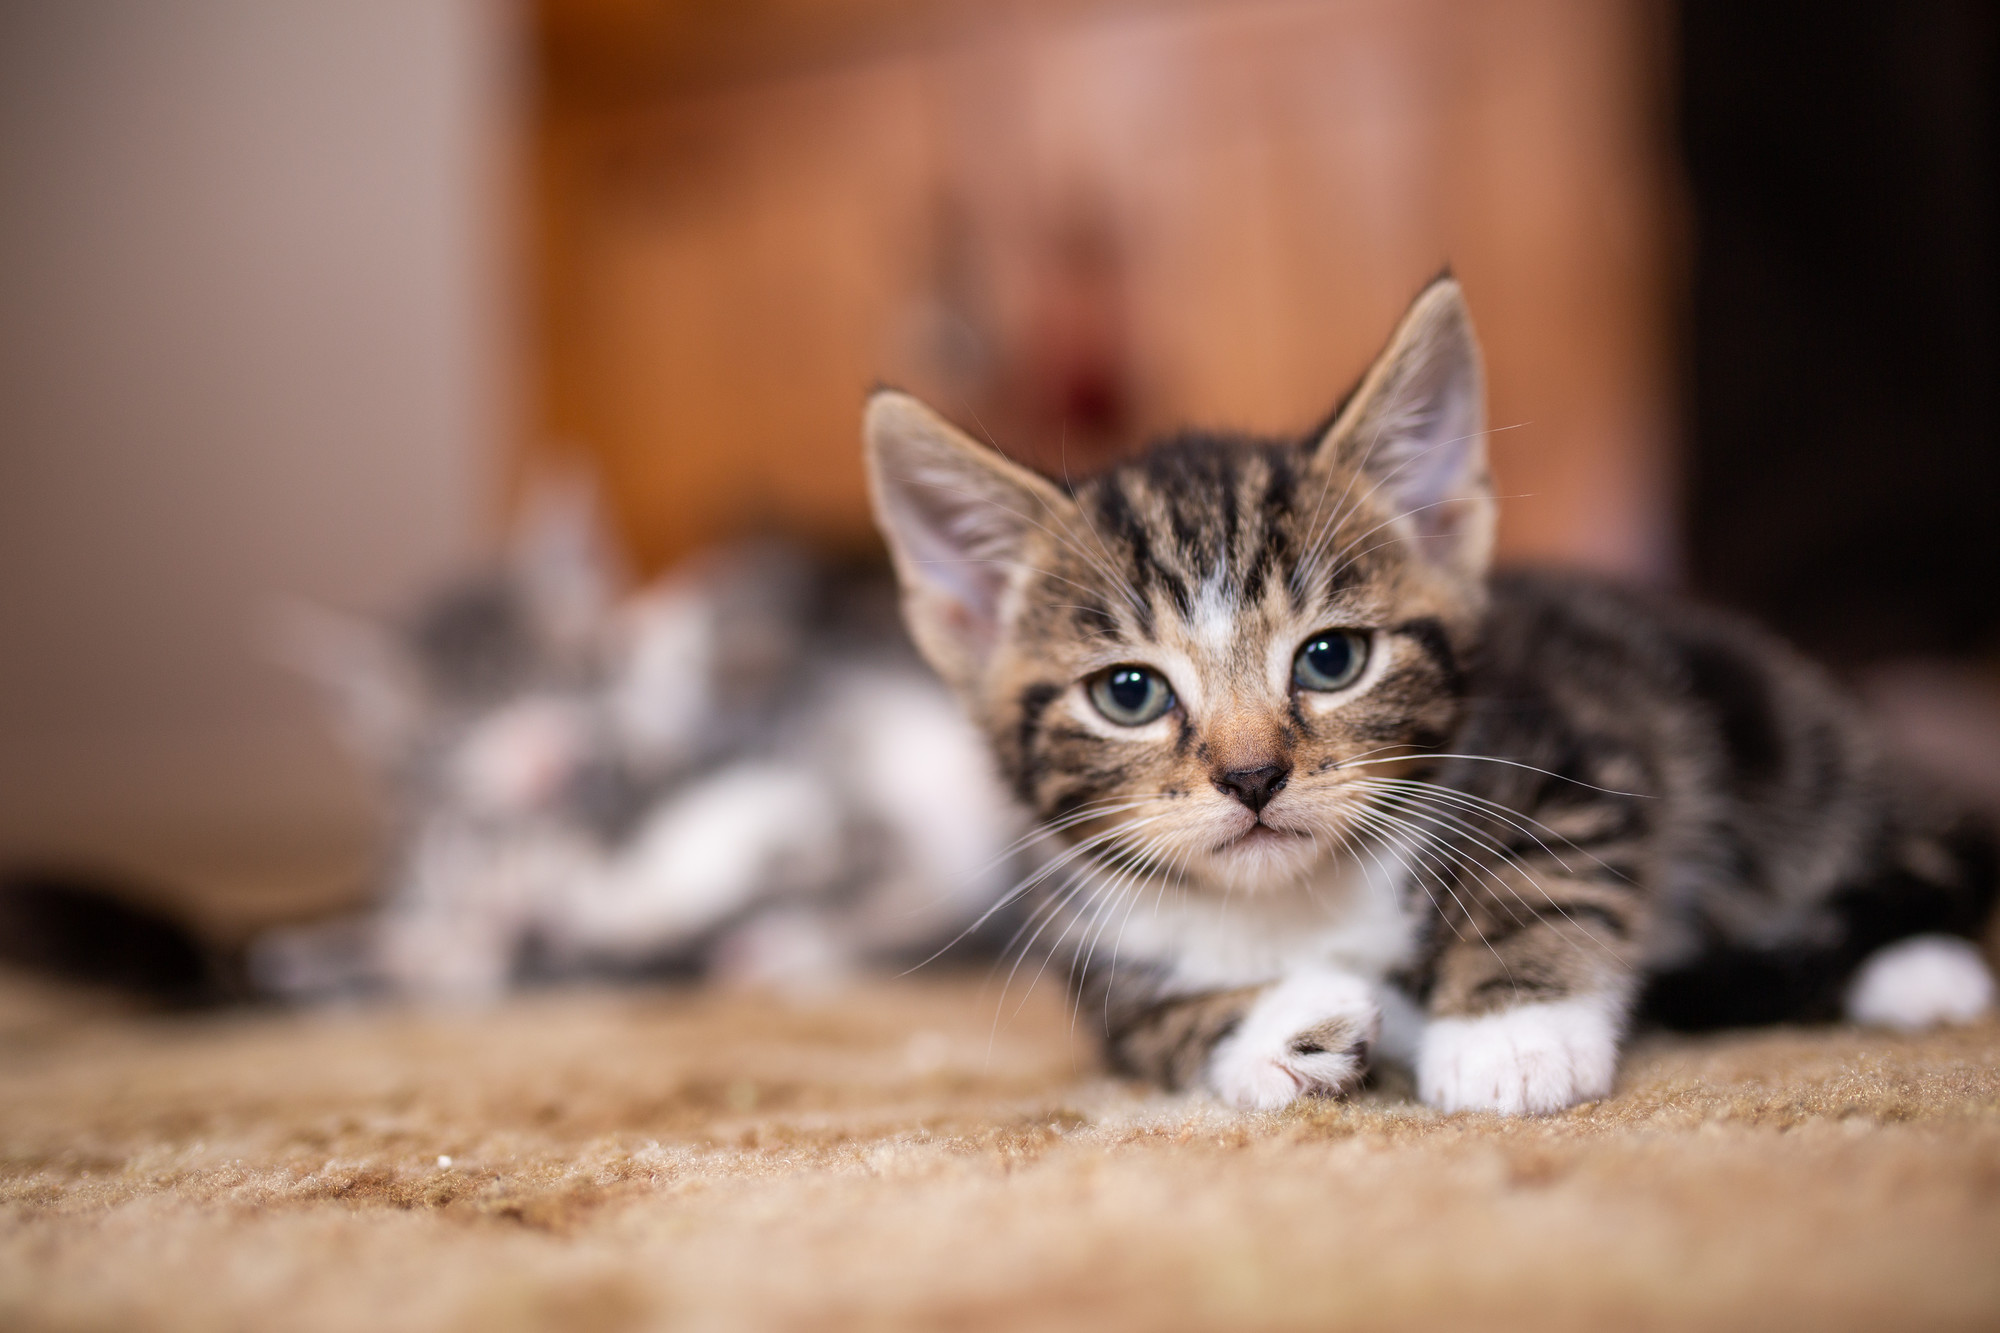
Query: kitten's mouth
column 1259, row 834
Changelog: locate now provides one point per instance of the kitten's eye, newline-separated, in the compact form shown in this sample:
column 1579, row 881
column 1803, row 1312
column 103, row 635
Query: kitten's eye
column 1330, row 661
column 1131, row 696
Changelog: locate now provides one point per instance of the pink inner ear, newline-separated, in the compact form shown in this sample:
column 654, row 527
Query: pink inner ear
column 956, row 528
column 1443, row 518
column 952, row 553
column 1430, row 461
column 969, row 626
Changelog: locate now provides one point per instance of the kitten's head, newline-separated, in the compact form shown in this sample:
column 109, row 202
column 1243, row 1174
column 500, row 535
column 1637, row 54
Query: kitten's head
column 539, row 687
column 1203, row 655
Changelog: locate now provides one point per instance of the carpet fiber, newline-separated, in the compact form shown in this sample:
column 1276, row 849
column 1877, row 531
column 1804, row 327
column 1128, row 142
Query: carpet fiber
column 896, row 1157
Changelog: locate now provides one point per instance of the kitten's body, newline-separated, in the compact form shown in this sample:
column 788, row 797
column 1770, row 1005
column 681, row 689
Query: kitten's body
column 1776, row 844
column 1387, row 802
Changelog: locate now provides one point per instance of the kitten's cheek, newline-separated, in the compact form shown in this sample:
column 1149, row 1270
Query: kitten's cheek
column 1528, row 1060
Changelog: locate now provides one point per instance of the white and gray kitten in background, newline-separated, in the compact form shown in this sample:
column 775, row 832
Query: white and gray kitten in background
column 739, row 770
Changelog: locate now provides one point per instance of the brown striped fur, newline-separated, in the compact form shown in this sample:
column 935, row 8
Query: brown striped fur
column 1568, row 790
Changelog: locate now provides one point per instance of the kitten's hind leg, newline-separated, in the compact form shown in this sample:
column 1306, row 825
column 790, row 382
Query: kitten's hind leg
column 1921, row 982
column 1921, row 915
column 1529, row 1005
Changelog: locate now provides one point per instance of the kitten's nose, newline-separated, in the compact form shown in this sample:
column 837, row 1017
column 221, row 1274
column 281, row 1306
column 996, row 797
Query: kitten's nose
column 1254, row 786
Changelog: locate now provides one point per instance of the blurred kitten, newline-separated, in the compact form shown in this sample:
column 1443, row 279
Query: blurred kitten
column 741, row 770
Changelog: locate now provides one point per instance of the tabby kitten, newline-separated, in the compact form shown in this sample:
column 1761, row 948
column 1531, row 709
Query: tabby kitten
column 1328, row 789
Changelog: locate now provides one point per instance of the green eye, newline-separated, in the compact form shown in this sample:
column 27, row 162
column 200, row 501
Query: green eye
column 1131, row 696
column 1330, row 661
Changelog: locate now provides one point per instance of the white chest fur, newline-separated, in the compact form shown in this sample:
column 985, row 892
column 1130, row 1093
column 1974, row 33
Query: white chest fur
column 1349, row 917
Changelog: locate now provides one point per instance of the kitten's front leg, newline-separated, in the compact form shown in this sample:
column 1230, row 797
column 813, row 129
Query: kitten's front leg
column 1306, row 1036
column 1529, row 1006
column 1256, row 1047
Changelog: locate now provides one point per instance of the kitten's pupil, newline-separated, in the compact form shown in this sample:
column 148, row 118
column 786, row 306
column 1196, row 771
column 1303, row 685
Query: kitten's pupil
column 1131, row 696
column 1130, row 689
column 1330, row 661
column 1329, row 658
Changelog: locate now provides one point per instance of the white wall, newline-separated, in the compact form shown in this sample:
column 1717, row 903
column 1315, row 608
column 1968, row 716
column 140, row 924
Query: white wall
column 254, row 340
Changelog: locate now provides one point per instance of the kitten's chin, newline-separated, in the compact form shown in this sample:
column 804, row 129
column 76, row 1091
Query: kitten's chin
column 1262, row 858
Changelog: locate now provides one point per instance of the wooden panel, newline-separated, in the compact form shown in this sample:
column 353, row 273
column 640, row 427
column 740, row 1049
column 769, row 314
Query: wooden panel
column 738, row 271
column 1079, row 225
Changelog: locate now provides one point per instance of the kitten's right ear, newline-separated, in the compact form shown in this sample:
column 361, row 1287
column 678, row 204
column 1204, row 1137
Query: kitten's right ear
column 956, row 515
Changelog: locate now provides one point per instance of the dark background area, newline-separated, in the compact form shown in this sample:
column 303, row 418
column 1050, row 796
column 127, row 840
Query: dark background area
column 1843, row 424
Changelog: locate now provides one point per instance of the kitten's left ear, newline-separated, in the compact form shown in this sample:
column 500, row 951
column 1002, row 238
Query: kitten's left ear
column 1416, row 427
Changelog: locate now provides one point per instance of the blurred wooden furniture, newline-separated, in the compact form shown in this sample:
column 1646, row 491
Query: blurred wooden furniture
column 1071, row 224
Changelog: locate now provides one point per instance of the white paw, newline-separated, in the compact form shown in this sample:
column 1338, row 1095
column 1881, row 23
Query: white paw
column 1528, row 1060
column 1921, row 982
column 1306, row 1036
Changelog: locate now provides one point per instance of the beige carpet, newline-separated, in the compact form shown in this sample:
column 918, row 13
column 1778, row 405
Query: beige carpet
column 889, row 1159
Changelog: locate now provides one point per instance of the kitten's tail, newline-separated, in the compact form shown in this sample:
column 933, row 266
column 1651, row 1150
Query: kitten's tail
column 97, row 931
